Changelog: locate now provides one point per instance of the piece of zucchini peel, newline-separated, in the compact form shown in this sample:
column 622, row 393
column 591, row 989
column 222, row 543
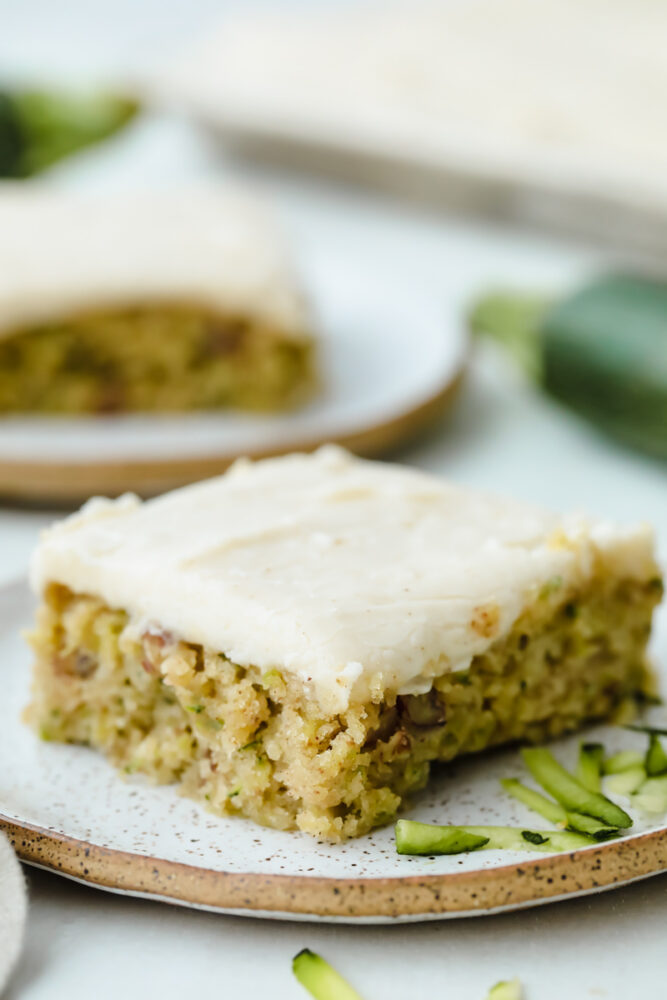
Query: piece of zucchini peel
column 431, row 839
column 569, row 792
column 321, row 979
column 582, row 814
column 508, row 989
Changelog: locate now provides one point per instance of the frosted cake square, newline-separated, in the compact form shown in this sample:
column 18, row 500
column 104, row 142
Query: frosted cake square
column 300, row 639
column 164, row 300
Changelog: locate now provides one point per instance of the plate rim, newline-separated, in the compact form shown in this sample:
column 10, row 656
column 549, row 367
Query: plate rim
column 72, row 481
column 482, row 892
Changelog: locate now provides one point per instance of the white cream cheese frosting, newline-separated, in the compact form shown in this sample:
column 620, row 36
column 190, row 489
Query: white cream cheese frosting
column 359, row 577
column 64, row 252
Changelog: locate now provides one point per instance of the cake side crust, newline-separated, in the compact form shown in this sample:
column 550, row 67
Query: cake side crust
column 255, row 743
column 155, row 357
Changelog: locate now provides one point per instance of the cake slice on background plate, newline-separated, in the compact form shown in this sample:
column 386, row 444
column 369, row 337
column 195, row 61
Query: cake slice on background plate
column 163, row 300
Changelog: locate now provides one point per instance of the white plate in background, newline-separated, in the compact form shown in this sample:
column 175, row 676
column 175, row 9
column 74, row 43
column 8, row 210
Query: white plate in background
column 389, row 356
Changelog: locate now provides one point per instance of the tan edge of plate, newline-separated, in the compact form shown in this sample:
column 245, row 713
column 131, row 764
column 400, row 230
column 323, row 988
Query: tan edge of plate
column 546, row 879
column 70, row 482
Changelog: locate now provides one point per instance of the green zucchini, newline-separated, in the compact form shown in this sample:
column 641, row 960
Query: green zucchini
column 38, row 128
column 651, row 797
column 539, row 803
column 581, row 823
column 656, row 758
column 589, row 765
column 602, row 351
column 555, row 813
column 509, row 989
column 571, row 794
column 625, row 782
column 624, row 760
column 321, row 979
column 423, row 838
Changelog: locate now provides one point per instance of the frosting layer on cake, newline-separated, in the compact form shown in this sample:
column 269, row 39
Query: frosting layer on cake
column 62, row 253
column 359, row 577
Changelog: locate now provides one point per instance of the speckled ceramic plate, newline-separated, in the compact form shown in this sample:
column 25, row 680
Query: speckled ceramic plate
column 389, row 365
column 66, row 809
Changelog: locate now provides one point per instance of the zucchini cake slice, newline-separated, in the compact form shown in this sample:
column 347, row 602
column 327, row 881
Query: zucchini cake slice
column 298, row 640
column 162, row 300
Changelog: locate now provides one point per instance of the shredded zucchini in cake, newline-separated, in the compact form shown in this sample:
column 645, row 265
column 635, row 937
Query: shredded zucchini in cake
column 257, row 744
column 161, row 358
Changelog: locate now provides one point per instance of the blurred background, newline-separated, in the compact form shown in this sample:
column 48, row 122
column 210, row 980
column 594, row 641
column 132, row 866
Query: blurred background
column 494, row 159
